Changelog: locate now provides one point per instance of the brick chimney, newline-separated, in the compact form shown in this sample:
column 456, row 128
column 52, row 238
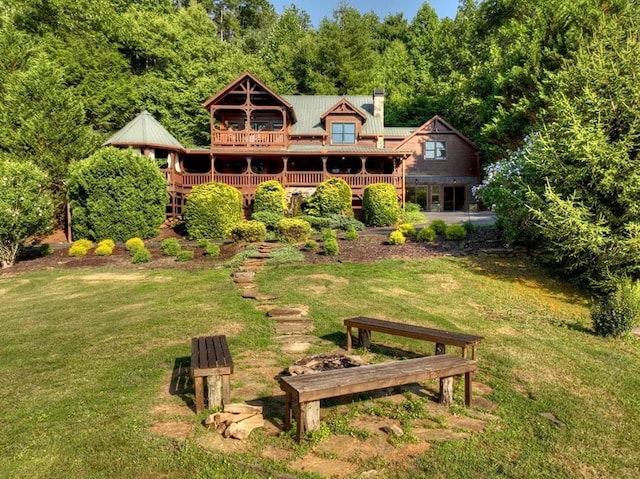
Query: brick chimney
column 378, row 103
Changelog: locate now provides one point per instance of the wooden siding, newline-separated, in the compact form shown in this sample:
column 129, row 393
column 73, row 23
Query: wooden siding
column 461, row 157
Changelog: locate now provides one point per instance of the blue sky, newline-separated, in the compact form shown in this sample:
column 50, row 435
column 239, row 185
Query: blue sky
column 318, row 9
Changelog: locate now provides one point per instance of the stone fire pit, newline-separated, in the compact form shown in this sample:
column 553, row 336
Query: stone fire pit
column 323, row 362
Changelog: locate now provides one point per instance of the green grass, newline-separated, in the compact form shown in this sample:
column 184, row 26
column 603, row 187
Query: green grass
column 84, row 356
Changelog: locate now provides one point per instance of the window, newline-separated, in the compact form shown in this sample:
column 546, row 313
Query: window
column 343, row 133
column 435, row 150
column 259, row 125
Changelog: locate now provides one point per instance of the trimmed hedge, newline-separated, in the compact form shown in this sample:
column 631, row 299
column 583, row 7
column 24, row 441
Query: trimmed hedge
column 293, row 230
column 80, row 247
column 380, row 205
column 212, row 210
column 270, row 197
column 249, row 232
column 116, row 194
column 426, row 235
column 332, row 197
column 170, row 247
column 455, row 232
column 269, row 218
column 396, row 238
column 133, row 244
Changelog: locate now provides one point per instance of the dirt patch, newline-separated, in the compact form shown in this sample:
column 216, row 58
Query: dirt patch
column 173, row 429
column 326, row 467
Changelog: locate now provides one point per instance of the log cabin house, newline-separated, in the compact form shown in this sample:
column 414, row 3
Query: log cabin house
column 300, row 141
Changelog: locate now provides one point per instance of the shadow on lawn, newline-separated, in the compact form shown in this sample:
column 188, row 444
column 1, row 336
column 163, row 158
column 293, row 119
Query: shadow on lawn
column 340, row 340
column 181, row 384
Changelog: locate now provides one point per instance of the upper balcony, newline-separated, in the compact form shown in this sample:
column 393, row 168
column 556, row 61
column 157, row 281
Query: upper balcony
column 249, row 138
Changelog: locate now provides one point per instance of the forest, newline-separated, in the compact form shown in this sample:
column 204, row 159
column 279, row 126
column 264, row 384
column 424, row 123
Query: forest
column 548, row 89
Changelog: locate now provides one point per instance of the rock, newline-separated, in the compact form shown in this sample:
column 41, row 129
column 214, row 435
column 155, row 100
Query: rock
column 393, row 430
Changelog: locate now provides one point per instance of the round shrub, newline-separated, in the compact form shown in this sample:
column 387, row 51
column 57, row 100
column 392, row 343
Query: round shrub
column 351, row 234
column 270, row 197
column 80, row 247
column 426, row 235
column 380, row 205
column 455, row 232
column 269, row 218
column 614, row 314
column 170, row 247
column 328, row 234
column 116, row 194
column 331, row 247
column 212, row 210
column 107, row 242
column 396, row 238
column 407, row 229
column 293, row 230
column 439, row 226
column 412, row 207
column 140, row 255
column 332, row 197
column 133, row 244
column 310, row 245
column 343, row 222
column 103, row 250
column 184, row 256
column 249, row 232
column 211, row 249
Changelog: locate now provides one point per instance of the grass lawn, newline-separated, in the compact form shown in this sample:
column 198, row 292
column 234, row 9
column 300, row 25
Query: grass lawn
column 85, row 354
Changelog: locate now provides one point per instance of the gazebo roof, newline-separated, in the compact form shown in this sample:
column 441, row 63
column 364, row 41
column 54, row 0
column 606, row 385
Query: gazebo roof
column 144, row 129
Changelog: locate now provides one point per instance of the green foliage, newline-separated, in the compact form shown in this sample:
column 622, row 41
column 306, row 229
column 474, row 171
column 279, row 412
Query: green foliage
column 140, row 255
column 439, row 226
column 293, row 230
column 426, row 234
column 210, row 248
column 80, row 247
column 212, row 210
column 107, row 242
column 469, row 227
column 407, row 229
column 170, row 247
column 269, row 218
column 26, row 207
column 105, row 248
column 330, row 246
column 410, row 207
column 328, row 234
column 269, row 198
column 133, row 244
column 415, row 217
column 185, row 255
column 396, row 238
column 332, row 197
column 310, row 245
column 455, row 232
column 116, row 194
column 380, row 205
column 615, row 313
column 351, row 234
column 249, row 232
column 333, row 221
column 284, row 254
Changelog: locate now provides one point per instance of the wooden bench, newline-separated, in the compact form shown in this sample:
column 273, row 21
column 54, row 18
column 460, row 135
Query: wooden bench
column 211, row 359
column 308, row 389
column 439, row 337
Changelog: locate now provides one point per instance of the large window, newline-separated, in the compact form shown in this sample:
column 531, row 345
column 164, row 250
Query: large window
column 435, row 150
column 343, row 133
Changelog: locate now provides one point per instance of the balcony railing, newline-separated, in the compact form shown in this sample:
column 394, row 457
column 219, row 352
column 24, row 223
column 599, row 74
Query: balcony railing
column 248, row 138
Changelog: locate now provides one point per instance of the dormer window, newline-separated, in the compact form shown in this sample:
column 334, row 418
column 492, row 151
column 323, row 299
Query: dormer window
column 343, row 133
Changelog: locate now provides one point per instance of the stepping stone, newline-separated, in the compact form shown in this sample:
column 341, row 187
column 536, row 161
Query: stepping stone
column 439, row 434
column 293, row 327
column 250, row 293
column 259, row 255
column 266, row 297
column 284, row 312
column 244, row 276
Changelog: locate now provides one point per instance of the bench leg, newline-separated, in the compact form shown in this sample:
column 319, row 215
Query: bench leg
column 226, row 389
column 364, row 337
column 214, row 391
column 199, row 389
column 348, row 339
column 308, row 418
column 468, row 385
column 446, row 384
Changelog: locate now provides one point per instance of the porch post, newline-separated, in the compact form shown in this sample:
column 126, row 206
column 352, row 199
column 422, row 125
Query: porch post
column 363, row 159
column 324, row 167
column 285, row 160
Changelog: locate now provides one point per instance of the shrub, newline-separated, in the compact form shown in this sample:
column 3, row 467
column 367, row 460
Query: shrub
column 407, row 229
column 116, row 194
column 212, row 249
column 107, row 242
column 345, row 194
column 328, row 234
column 133, row 244
column 212, row 210
column 270, row 198
column 80, row 247
column 414, row 217
column 140, row 255
column 342, row 222
column 426, row 234
column 351, row 234
column 184, row 256
column 103, row 250
column 26, row 206
column 439, row 226
column 293, row 230
column 249, row 231
column 455, row 232
column 412, row 207
column 331, row 247
column 310, row 245
column 325, row 201
column 396, row 237
column 469, row 226
column 614, row 314
column 380, row 205
column 170, row 247
column 317, row 223
column 269, row 218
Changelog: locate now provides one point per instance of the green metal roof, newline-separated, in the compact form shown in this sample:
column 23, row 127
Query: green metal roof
column 144, row 130
column 309, row 109
column 399, row 131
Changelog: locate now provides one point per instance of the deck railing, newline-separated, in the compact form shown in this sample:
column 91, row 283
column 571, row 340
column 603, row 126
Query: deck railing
column 249, row 138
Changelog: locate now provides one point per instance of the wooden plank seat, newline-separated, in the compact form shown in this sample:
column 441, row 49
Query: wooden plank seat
column 211, row 359
column 308, row 389
column 440, row 337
